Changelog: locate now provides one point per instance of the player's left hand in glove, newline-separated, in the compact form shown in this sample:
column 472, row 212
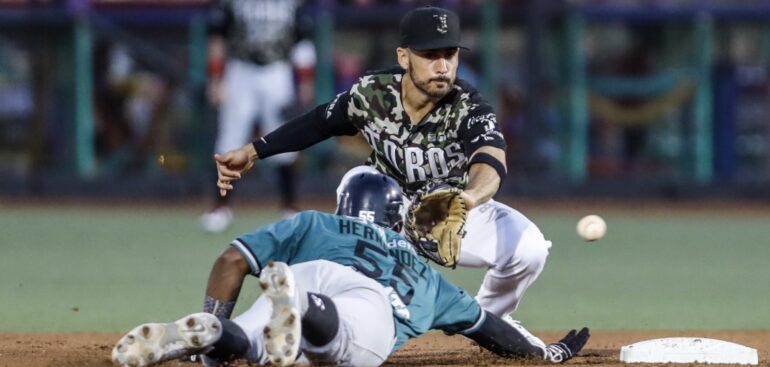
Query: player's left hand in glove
column 567, row 347
column 435, row 224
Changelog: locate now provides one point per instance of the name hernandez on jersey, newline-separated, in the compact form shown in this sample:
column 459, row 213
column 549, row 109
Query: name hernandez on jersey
column 421, row 298
column 436, row 148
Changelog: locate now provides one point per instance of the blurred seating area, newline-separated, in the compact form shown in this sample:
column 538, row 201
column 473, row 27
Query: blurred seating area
column 629, row 93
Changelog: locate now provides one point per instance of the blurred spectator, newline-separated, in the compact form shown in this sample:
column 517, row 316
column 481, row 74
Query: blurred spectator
column 129, row 107
column 251, row 81
column 638, row 61
column 348, row 68
column 629, row 52
column 20, row 148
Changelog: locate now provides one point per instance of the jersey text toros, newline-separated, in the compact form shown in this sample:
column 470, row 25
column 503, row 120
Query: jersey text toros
column 434, row 149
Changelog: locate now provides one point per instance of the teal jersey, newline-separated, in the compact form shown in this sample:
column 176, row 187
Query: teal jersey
column 424, row 301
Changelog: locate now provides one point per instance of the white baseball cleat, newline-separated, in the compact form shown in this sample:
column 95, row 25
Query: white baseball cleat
column 153, row 343
column 283, row 332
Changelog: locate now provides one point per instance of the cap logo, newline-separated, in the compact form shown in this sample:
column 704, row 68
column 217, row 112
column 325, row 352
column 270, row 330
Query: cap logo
column 442, row 26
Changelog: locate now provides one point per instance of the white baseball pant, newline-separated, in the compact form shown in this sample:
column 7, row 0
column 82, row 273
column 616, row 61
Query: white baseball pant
column 367, row 331
column 253, row 93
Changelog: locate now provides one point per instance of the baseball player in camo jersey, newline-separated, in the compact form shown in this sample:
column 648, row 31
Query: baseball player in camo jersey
column 252, row 45
column 355, row 292
column 424, row 125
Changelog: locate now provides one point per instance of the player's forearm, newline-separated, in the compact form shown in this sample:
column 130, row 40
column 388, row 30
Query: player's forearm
column 293, row 136
column 300, row 133
column 225, row 281
column 483, row 179
column 499, row 337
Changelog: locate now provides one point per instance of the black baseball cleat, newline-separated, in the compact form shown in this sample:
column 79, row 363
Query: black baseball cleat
column 153, row 343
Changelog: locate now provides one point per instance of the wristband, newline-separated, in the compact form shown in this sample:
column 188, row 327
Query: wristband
column 258, row 145
column 491, row 161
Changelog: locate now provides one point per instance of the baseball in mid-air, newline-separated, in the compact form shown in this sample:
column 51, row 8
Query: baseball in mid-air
column 591, row 227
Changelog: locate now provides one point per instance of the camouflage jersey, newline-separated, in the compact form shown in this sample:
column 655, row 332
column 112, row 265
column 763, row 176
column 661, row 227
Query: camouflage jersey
column 436, row 149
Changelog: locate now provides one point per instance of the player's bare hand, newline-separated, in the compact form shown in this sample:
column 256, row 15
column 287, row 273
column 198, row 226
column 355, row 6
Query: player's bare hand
column 231, row 165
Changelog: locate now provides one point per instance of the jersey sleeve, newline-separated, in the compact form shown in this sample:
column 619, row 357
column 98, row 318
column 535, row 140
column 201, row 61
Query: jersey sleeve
column 335, row 116
column 279, row 241
column 321, row 123
column 456, row 311
column 480, row 128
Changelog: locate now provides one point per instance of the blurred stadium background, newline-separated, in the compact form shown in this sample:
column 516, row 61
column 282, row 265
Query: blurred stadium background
column 666, row 98
column 624, row 101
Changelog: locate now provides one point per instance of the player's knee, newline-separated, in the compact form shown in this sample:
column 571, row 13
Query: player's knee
column 532, row 254
column 529, row 255
column 321, row 322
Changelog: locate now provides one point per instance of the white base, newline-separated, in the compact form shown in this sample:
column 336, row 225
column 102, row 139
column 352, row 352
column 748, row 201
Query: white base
column 688, row 350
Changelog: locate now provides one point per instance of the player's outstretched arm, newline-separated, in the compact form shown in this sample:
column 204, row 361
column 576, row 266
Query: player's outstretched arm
column 485, row 173
column 225, row 281
column 319, row 124
column 457, row 312
column 499, row 337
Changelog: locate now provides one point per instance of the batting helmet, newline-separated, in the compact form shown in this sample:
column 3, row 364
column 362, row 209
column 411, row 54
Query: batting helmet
column 373, row 197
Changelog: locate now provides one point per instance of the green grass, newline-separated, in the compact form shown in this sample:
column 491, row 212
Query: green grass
column 107, row 269
column 655, row 271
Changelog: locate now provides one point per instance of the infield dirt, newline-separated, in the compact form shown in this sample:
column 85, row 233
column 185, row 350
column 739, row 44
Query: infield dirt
column 434, row 349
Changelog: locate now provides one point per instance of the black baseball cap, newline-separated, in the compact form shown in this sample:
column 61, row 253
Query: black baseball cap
column 429, row 28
